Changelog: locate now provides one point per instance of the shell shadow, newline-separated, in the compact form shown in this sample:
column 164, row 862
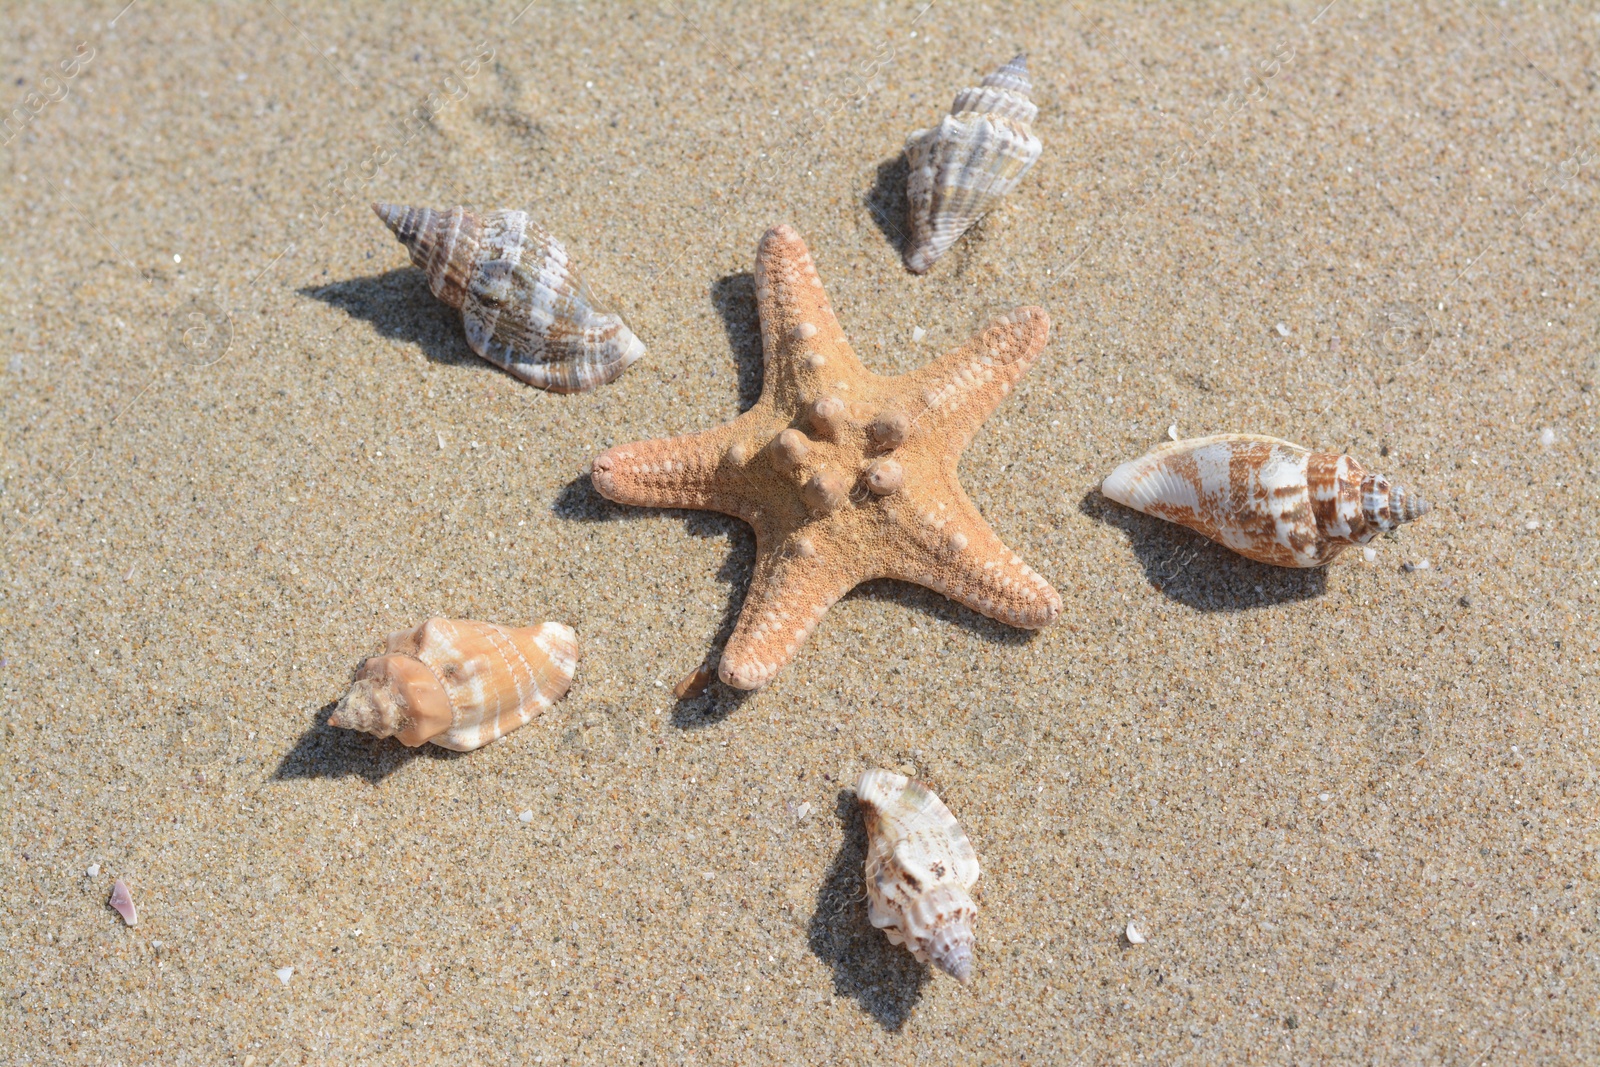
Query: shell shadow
column 886, row 202
column 734, row 297
column 400, row 305
column 326, row 751
column 1197, row 572
column 884, row 979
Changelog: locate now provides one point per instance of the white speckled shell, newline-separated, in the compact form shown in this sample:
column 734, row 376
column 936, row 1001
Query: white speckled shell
column 920, row 867
column 459, row 683
column 522, row 303
column 959, row 169
column 1268, row 500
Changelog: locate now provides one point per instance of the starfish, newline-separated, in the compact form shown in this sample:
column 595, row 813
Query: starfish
column 845, row 475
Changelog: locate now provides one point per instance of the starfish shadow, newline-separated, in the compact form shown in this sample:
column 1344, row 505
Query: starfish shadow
column 325, row 751
column 941, row 607
column 884, row 979
column 886, row 202
column 400, row 305
column 734, row 297
column 580, row 501
column 1196, row 571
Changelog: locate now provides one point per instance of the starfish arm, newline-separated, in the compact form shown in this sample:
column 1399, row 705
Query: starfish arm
column 690, row 471
column 960, row 390
column 789, row 594
column 953, row 551
column 801, row 339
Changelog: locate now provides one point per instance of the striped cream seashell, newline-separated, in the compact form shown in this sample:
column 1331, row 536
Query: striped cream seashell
column 458, row 683
column 959, row 169
column 522, row 303
column 920, row 866
column 1268, row 500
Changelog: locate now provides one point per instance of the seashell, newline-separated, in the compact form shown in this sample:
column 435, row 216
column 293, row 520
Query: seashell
column 122, row 901
column 959, row 169
column 523, row 305
column 459, row 683
column 1268, row 500
column 919, row 868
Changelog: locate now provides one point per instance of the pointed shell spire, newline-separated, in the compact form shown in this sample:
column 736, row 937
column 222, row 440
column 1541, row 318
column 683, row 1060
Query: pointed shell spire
column 959, row 169
column 1267, row 499
column 458, row 683
column 524, row 307
column 920, row 867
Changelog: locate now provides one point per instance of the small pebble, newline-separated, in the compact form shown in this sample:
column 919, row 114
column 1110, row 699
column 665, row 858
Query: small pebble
column 1134, row 936
column 1324, row 797
column 708, row 875
column 1172, row 431
column 1418, row 565
column 1465, row 602
column 527, row 815
column 1547, row 437
column 917, row 334
column 284, row 974
column 803, row 810
column 1369, row 554
column 1531, row 524
column 93, row 871
column 1283, row 331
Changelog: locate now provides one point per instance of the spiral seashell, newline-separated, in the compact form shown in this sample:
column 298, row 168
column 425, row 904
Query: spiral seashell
column 523, row 305
column 1268, row 500
column 459, row 683
column 959, row 169
column 920, row 866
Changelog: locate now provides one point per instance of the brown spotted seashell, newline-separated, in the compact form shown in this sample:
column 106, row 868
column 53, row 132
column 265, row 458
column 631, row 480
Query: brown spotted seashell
column 523, row 305
column 1268, row 500
column 959, row 169
column 459, row 683
column 920, row 866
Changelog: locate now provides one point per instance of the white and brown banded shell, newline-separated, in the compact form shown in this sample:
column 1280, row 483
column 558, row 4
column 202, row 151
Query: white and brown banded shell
column 458, row 683
column 959, row 169
column 920, row 867
column 523, row 305
column 1268, row 500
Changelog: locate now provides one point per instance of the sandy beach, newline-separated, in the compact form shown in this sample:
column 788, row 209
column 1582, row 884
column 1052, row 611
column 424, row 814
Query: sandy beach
column 1351, row 810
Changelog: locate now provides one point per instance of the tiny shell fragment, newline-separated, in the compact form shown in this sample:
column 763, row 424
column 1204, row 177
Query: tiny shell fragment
column 122, row 901
column 1134, row 936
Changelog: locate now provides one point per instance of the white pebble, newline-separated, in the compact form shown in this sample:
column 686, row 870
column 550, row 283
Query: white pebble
column 284, row 974
column 803, row 810
column 1531, row 524
column 1283, row 331
column 527, row 815
column 93, row 871
column 917, row 334
column 1369, row 554
column 1547, row 437
column 1134, row 936
column 1324, row 797
column 708, row 875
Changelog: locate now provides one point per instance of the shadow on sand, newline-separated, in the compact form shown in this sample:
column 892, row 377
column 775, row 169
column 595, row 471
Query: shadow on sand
column 884, row 979
column 325, row 751
column 1186, row 567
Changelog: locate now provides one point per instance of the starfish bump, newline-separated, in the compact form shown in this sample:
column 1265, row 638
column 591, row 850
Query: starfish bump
column 845, row 475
